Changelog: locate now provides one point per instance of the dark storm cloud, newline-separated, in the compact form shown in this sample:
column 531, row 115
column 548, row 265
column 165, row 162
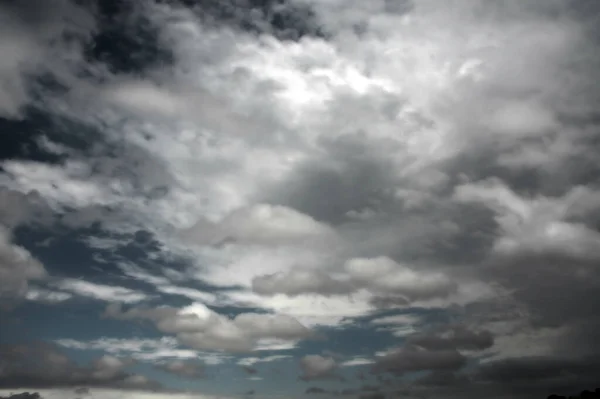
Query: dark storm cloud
column 541, row 374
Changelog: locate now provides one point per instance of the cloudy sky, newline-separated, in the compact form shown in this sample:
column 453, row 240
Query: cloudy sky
column 299, row 198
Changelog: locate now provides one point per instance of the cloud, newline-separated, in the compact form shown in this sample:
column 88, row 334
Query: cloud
column 17, row 268
column 262, row 224
column 538, row 375
column 199, row 327
column 184, row 369
column 538, row 224
column 410, row 359
column 249, row 361
column 111, row 393
column 298, row 281
column 24, row 395
column 46, row 296
column 33, row 42
column 381, row 276
column 411, row 155
column 317, row 367
column 101, row 292
column 137, row 348
column 42, row 365
column 454, row 337
column 357, row 361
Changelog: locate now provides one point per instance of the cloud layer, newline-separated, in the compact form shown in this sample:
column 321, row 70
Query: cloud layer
column 416, row 178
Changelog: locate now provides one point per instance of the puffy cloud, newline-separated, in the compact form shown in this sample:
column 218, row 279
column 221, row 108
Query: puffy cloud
column 182, row 368
column 386, row 277
column 262, row 224
column 41, row 365
column 539, row 224
column 199, row 327
column 451, row 150
column 17, row 268
column 33, row 42
column 380, row 276
column 299, row 281
column 317, row 367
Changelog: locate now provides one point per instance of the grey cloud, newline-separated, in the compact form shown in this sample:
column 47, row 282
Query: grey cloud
column 23, row 395
column 17, row 208
column 41, row 365
column 186, row 369
column 541, row 374
column 249, row 370
column 451, row 116
column 317, row 367
column 298, row 281
column 261, row 224
column 452, row 337
column 33, row 40
column 409, row 359
column 17, row 268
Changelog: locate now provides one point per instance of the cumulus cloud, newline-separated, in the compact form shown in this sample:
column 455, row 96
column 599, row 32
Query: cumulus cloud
column 34, row 41
column 199, row 327
column 404, row 154
column 17, row 268
column 262, row 224
column 381, row 276
column 317, row 367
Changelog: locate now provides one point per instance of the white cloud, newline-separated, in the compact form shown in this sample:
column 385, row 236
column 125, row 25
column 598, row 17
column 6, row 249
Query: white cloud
column 48, row 296
column 262, row 224
column 107, row 293
column 536, row 224
column 199, row 327
column 249, row 361
column 357, row 361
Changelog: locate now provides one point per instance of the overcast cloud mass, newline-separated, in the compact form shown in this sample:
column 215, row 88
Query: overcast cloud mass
column 294, row 198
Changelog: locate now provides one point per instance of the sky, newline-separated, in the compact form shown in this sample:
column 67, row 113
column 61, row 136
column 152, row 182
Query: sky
column 299, row 198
